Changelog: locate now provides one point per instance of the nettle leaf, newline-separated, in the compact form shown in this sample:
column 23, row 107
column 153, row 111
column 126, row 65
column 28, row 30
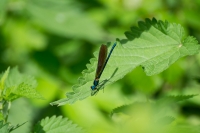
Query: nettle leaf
column 141, row 110
column 56, row 125
column 15, row 85
column 166, row 120
column 157, row 109
column 128, row 109
column 173, row 99
column 154, row 45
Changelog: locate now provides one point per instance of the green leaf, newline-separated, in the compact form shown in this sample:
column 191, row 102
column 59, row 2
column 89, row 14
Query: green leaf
column 166, row 120
column 154, row 45
column 3, row 78
column 11, row 128
column 151, row 118
column 156, row 111
column 184, row 128
column 64, row 18
column 173, row 99
column 6, row 128
column 56, row 125
column 128, row 109
column 19, row 85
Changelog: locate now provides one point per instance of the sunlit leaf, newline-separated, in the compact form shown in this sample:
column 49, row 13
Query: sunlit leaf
column 56, row 125
column 64, row 18
column 155, row 47
column 19, row 85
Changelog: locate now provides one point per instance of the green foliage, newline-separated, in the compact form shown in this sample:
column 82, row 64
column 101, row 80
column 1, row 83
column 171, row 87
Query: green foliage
column 56, row 125
column 155, row 45
column 154, row 118
column 4, row 127
column 12, row 128
column 7, row 128
column 161, row 103
column 53, row 40
column 162, row 43
column 173, row 99
column 166, row 120
column 3, row 4
column 14, row 85
column 63, row 14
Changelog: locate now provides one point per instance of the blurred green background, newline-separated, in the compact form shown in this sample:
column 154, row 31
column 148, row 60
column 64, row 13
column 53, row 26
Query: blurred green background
column 54, row 40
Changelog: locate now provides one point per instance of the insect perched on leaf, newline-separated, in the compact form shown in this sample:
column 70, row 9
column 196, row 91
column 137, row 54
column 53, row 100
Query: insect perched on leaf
column 102, row 61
